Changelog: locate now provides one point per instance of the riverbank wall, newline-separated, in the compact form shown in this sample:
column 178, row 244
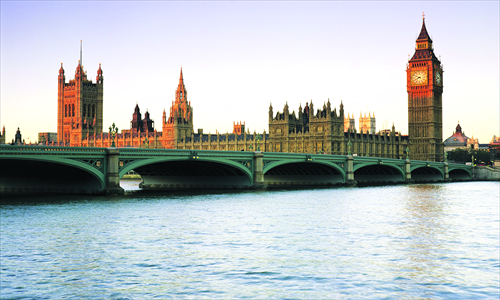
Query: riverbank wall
column 486, row 173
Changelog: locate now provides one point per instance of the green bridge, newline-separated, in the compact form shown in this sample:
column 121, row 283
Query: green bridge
column 34, row 169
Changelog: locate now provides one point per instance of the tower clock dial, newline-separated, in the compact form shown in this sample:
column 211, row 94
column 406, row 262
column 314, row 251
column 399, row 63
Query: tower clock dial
column 438, row 78
column 419, row 77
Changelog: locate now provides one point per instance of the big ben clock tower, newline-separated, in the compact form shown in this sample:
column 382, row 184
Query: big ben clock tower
column 424, row 75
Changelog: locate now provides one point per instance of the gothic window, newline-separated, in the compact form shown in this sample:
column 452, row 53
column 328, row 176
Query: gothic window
column 84, row 110
column 73, row 110
column 66, row 110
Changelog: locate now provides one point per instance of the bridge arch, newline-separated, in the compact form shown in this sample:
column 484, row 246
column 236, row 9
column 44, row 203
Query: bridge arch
column 50, row 174
column 303, row 173
column 459, row 174
column 378, row 173
column 426, row 173
column 183, row 172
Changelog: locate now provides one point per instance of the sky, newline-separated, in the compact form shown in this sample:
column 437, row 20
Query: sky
column 239, row 57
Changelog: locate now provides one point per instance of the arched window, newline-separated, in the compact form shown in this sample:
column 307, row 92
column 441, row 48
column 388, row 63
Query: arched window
column 84, row 110
column 65, row 110
column 73, row 110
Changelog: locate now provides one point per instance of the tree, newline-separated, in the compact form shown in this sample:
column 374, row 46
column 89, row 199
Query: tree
column 481, row 157
column 461, row 155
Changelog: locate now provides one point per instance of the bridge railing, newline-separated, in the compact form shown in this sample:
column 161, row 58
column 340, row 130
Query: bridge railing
column 298, row 156
column 176, row 152
column 368, row 159
column 30, row 150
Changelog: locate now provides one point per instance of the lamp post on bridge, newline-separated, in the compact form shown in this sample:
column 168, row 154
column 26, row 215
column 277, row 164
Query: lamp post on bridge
column 113, row 130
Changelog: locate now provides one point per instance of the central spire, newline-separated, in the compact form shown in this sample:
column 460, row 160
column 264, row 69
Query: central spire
column 181, row 93
column 181, row 79
column 424, row 35
column 181, row 108
column 423, row 48
column 81, row 61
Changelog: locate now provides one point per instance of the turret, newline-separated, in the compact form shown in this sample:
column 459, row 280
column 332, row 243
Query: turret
column 270, row 112
column 311, row 110
column 286, row 113
column 136, row 122
column 99, row 78
column 61, row 77
column 147, row 123
column 18, row 138
column 79, row 73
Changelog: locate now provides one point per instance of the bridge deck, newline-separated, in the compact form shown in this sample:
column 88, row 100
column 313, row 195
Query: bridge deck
column 98, row 170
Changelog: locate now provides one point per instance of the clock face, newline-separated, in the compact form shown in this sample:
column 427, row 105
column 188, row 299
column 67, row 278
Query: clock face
column 419, row 77
column 438, row 78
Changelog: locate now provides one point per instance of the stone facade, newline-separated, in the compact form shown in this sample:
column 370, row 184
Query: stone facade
column 47, row 137
column 324, row 131
column 80, row 107
column 349, row 123
column 367, row 124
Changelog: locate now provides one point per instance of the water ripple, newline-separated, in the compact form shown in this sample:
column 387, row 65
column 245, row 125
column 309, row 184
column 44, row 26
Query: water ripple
column 401, row 242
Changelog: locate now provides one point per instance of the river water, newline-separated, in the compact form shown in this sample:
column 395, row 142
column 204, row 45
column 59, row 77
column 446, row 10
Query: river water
column 422, row 241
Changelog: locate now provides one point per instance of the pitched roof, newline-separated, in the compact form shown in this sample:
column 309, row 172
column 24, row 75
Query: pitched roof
column 424, row 35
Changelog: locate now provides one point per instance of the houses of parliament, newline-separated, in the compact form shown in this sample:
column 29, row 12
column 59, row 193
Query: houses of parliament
column 325, row 129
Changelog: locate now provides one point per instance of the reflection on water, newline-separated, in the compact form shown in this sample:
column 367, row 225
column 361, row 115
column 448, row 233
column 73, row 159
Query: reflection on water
column 425, row 236
column 398, row 242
